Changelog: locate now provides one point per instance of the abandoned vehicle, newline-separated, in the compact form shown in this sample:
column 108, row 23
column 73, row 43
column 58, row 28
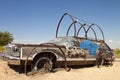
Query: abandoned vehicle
column 62, row 51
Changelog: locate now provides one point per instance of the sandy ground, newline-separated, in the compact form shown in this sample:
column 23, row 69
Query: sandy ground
column 84, row 73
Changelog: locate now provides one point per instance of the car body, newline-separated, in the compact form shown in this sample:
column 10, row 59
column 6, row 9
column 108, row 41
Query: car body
column 61, row 51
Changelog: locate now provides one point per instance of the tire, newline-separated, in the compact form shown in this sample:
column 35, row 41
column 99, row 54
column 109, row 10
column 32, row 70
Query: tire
column 43, row 64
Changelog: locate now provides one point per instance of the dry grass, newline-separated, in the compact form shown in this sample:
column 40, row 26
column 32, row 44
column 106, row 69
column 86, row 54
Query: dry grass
column 2, row 49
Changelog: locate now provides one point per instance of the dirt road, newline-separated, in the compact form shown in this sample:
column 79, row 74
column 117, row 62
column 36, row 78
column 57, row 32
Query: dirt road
column 86, row 73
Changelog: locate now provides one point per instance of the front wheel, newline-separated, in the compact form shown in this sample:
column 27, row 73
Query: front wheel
column 43, row 64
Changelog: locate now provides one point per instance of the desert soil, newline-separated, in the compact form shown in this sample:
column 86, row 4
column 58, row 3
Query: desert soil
column 84, row 73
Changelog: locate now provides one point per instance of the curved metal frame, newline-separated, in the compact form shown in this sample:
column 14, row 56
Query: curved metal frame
column 70, row 27
column 92, row 30
column 61, row 21
column 86, row 31
column 82, row 26
column 47, row 50
column 98, row 28
column 101, row 32
column 26, row 61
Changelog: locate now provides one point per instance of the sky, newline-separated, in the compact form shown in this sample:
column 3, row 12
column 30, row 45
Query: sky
column 34, row 21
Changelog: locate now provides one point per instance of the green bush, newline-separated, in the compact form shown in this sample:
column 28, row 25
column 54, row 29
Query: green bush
column 5, row 38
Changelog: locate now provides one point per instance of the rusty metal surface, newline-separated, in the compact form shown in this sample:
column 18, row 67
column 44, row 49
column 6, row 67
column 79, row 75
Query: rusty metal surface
column 86, row 29
column 68, row 55
column 47, row 44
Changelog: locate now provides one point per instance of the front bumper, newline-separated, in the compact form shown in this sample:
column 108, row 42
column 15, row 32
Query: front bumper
column 11, row 60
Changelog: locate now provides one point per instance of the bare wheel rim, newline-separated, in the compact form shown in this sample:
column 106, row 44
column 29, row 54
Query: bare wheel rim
column 43, row 64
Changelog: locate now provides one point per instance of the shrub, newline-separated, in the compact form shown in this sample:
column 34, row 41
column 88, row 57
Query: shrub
column 2, row 49
column 5, row 38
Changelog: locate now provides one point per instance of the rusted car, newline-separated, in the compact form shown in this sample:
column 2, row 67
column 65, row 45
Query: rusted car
column 61, row 51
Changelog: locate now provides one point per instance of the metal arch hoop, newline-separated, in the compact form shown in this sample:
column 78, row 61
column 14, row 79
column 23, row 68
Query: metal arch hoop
column 61, row 21
column 82, row 26
column 92, row 30
column 70, row 27
column 91, row 26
